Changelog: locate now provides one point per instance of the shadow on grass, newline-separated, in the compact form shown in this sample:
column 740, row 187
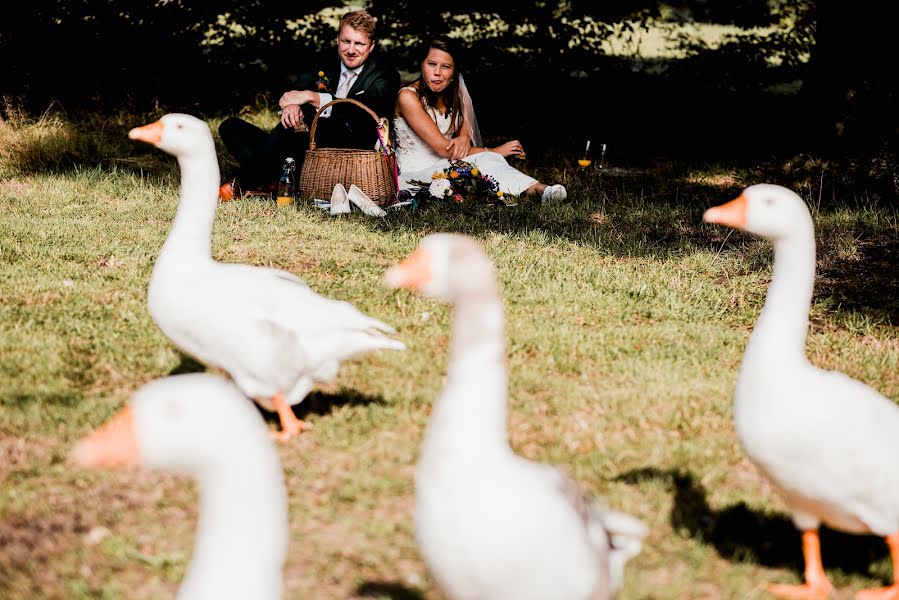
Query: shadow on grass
column 634, row 213
column 867, row 282
column 323, row 403
column 657, row 212
column 57, row 399
column 386, row 589
column 317, row 402
column 187, row 364
column 742, row 534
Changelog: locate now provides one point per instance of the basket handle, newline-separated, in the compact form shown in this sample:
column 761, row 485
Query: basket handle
column 332, row 102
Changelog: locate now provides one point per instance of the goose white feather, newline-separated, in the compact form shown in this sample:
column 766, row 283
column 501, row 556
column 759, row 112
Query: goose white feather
column 201, row 425
column 827, row 442
column 265, row 327
column 491, row 524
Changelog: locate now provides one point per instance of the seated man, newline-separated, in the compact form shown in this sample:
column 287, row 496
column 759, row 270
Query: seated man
column 357, row 75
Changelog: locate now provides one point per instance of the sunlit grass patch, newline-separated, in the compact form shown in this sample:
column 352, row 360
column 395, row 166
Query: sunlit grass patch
column 626, row 322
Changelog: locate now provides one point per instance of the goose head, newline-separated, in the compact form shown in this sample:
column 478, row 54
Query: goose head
column 445, row 266
column 180, row 424
column 178, row 134
column 770, row 211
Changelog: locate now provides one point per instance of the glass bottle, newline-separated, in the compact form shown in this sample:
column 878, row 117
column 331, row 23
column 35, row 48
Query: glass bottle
column 286, row 187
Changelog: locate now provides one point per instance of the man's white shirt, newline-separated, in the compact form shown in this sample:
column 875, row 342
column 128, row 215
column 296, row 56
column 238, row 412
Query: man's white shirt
column 324, row 98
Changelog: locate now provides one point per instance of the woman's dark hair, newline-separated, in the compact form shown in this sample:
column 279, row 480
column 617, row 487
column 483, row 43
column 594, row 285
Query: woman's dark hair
column 452, row 95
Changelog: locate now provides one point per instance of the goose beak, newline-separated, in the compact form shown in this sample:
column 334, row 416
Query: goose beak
column 152, row 133
column 114, row 444
column 412, row 273
column 732, row 214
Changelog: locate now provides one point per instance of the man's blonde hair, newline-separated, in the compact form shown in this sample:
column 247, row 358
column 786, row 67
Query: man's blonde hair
column 359, row 20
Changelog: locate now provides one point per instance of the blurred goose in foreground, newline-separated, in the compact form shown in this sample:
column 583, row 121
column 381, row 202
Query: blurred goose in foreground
column 827, row 442
column 491, row 524
column 201, row 425
column 265, row 327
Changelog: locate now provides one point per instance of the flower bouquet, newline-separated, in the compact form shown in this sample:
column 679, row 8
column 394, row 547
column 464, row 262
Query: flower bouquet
column 461, row 182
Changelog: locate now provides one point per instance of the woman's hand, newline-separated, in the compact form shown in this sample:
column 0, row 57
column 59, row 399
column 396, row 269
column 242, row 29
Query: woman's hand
column 459, row 146
column 292, row 117
column 510, row 148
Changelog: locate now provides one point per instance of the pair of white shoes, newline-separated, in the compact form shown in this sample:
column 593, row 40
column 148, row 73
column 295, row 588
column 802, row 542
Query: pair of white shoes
column 341, row 199
column 553, row 194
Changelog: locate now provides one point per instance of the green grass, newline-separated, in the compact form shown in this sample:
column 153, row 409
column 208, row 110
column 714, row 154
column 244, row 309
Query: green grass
column 627, row 319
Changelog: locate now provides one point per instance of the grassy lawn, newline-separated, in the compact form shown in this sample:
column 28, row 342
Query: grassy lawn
column 627, row 319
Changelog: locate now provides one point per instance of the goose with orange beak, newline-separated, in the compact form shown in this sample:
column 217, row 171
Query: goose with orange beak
column 265, row 327
column 489, row 523
column 202, row 426
column 827, row 442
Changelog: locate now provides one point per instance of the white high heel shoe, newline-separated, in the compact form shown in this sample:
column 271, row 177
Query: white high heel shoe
column 358, row 197
column 340, row 205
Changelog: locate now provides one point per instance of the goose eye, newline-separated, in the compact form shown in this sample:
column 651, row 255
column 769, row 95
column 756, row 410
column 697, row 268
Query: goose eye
column 769, row 201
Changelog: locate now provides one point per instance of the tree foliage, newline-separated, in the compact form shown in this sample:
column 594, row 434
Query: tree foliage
column 524, row 61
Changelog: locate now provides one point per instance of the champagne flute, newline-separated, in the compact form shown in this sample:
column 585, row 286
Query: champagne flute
column 585, row 160
column 602, row 158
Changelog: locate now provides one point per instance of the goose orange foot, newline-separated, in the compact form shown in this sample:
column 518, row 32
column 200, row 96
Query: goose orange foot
column 887, row 593
column 817, row 586
column 290, row 424
column 286, row 434
column 818, row 590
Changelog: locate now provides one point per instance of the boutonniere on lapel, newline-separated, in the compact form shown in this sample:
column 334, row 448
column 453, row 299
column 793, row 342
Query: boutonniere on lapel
column 322, row 85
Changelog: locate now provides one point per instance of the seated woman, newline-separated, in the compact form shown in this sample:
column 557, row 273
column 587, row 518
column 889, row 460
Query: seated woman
column 435, row 122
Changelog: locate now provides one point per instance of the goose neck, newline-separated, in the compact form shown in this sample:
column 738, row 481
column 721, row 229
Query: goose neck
column 475, row 395
column 242, row 529
column 191, row 232
column 780, row 333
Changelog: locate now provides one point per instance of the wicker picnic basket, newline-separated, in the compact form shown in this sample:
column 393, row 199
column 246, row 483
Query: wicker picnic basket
column 371, row 171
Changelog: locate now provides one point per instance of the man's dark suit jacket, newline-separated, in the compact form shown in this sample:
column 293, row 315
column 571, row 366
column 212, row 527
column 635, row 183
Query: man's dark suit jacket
column 349, row 126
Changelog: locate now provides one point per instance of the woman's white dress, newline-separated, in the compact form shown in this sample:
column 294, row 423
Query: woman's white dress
column 418, row 162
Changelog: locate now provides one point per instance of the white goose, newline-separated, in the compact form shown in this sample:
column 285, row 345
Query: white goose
column 266, row 328
column 201, row 425
column 827, row 442
column 489, row 523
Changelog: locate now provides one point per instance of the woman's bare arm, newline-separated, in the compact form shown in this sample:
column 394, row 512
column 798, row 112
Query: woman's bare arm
column 409, row 107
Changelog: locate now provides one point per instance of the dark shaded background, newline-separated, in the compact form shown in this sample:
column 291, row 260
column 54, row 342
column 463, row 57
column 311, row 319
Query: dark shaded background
column 538, row 79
